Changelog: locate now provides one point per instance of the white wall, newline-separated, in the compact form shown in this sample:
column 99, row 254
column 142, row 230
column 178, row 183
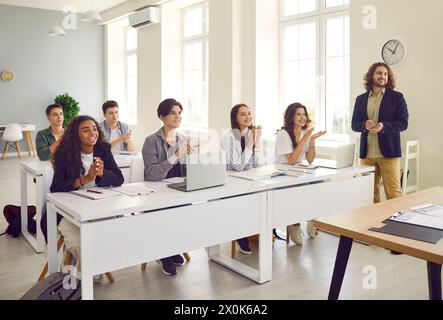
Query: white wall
column 149, row 83
column 45, row 67
column 418, row 24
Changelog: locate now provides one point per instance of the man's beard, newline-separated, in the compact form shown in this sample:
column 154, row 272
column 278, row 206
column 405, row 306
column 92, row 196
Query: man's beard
column 376, row 84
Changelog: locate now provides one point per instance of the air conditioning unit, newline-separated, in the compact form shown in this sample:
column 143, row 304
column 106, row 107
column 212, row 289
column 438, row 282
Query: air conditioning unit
column 144, row 17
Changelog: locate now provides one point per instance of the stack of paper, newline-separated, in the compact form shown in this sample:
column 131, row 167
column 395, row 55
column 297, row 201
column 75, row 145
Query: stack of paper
column 135, row 189
column 303, row 168
column 96, row 193
column 419, row 219
column 429, row 209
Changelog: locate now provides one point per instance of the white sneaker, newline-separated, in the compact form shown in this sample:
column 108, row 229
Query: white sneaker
column 296, row 234
column 311, row 229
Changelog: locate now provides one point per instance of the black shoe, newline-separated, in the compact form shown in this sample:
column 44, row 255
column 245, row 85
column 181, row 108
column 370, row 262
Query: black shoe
column 277, row 236
column 244, row 246
column 168, row 266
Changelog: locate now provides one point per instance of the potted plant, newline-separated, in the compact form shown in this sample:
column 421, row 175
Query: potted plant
column 70, row 107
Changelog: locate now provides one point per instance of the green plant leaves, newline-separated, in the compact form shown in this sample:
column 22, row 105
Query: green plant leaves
column 70, row 107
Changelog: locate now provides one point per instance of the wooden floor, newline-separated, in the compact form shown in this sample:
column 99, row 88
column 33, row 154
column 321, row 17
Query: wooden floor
column 299, row 272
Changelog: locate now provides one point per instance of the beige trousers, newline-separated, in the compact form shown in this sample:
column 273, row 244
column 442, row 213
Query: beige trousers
column 71, row 233
column 389, row 170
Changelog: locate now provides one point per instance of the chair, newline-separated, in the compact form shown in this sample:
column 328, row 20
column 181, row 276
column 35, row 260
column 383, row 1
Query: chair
column 411, row 156
column 67, row 260
column 13, row 134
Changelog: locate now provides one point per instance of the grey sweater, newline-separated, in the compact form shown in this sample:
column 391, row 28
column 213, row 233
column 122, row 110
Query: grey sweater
column 155, row 156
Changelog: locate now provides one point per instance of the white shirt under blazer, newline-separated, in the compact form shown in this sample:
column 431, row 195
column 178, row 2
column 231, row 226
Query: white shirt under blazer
column 283, row 146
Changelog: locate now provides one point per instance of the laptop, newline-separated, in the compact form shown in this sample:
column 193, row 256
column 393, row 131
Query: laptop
column 202, row 171
column 345, row 158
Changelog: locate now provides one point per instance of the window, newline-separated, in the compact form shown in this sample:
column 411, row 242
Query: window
column 315, row 62
column 195, row 65
column 122, row 69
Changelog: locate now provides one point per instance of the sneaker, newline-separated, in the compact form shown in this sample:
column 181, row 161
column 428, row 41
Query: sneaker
column 178, row 260
column 98, row 278
column 311, row 229
column 296, row 234
column 244, row 246
column 168, row 267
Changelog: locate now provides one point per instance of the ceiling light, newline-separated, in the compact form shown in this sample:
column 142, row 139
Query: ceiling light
column 91, row 16
column 57, row 31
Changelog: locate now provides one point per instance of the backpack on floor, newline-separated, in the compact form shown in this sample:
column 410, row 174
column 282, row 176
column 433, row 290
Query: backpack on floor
column 58, row 286
column 13, row 217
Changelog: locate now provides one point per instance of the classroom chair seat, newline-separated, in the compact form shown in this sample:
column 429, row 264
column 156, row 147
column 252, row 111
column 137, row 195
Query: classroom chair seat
column 67, row 260
column 13, row 134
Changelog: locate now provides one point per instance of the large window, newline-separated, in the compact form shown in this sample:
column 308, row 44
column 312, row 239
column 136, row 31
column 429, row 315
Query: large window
column 122, row 68
column 195, row 65
column 314, row 61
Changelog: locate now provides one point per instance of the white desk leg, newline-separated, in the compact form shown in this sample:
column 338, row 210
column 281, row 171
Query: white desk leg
column 86, row 258
column 40, row 202
column 213, row 251
column 52, row 238
column 24, row 200
column 265, row 239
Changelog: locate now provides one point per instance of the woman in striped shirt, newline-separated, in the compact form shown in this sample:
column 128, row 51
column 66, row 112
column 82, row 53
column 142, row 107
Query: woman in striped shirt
column 242, row 147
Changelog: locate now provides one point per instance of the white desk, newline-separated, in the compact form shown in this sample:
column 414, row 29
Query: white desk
column 27, row 133
column 320, row 194
column 200, row 219
column 43, row 173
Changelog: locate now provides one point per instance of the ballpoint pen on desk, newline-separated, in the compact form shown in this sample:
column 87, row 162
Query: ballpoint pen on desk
column 93, row 191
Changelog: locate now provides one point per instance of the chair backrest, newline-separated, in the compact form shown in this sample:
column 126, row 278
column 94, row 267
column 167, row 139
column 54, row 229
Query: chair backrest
column 137, row 170
column 13, row 133
column 411, row 155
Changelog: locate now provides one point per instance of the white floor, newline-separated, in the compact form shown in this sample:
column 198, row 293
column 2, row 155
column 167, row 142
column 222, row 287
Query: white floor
column 299, row 272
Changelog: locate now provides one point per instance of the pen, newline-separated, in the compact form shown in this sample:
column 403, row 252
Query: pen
column 93, row 191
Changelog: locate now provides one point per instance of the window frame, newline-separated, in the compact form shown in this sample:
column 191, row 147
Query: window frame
column 128, row 53
column 123, row 51
column 320, row 15
column 204, row 40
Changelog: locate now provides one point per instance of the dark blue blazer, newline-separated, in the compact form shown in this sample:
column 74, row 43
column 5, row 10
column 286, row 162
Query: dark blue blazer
column 64, row 178
column 394, row 116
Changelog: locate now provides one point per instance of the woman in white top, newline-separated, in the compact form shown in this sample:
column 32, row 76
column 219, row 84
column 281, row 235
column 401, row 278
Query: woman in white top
column 294, row 143
column 242, row 147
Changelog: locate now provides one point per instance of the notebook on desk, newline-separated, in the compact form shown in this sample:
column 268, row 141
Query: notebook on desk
column 96, row 193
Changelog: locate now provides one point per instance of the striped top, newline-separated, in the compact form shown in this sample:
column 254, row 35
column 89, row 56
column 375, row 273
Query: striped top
column 236, row 159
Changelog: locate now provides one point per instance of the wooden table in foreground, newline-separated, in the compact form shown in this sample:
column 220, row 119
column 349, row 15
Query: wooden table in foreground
column 354, row 225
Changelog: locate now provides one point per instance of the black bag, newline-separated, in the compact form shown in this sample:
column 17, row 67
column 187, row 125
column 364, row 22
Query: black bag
column 13, row 217
column 58, row 286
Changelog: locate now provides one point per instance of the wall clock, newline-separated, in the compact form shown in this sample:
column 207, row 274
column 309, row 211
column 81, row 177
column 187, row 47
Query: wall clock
column 393, row 52
column 7, row 75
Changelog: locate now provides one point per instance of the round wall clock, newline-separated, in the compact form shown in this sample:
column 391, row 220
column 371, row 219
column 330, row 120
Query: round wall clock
column 7, row 75
column 393, row 52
